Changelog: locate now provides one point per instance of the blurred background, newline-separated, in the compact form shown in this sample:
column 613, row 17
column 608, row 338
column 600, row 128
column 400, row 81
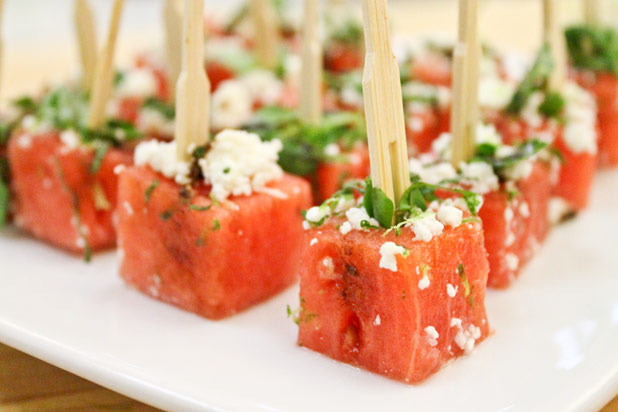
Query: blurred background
column 39, row 39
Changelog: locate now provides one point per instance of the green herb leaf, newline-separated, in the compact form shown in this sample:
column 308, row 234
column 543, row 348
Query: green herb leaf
column 216, row 225
column 593, row 48
column 198, row 208
column 100, row 151
column 149, row 191
column 166, row 110
column 383, row 207
column 4, row 203
column 534, row 80
column 553, row 105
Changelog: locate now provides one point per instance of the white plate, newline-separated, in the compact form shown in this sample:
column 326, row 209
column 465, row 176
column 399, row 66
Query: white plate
column 555, row 346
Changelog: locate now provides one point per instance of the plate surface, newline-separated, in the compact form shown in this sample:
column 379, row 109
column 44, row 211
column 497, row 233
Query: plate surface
column 554, row 347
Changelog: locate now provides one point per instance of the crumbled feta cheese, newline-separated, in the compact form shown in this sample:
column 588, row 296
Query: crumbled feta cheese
column 313, row 242
column 530, row 113
column 119, row 169
column 432, row 335
column 231, row 105
column 451, row 290
column 24, row 141
column 465, row 339
column 154, row 123
column 316, row 214
column 332, row 150
column 129, row 209
column 524, row 210
column 480, row 176
column 432, row 173
column 162, row 157
column 139, row 83
column 450, row 215
column 520, row 170
column 356, row 215
column 580, row 132
column 239, row 163
column 487, row 134
column 388, row 252
column 512, row 261
column 495, row 93
column 558, row 208
column 263, row 86
column 424, row 282
column 345, row 228
column 377, row 321
column 426, row 227
column 70, row 139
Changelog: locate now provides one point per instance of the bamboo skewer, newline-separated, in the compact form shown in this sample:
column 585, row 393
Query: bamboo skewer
column 554, row 37
column 591, row 12
column 87, row 41
column 104, row 73
column 384, row 105
column 266, row 32
column 465, row 108
column 172, row 18
column 193, row 88
column 311, row 90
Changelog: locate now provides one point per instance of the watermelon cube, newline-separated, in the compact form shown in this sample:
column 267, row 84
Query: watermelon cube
column 404, row 318
column 59, row 195
column 604, row 87
column 215, row 259
column 516, row 223
column 332, row 175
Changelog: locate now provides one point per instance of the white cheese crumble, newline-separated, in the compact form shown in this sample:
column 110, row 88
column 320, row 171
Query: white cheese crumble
column 263, row 86
column 480, row 176
column 388, row 252
column 557, row 209
column 512, row 261
column 432, row 335
column 377, row 321
column 332, row 150
column 426, row 228
column 466, row 338
column 162, row 157
column 424, row 282
column 432, row 173
column 345, row 228
column 524, row 210
column 495, row 93
column 151, row 121
column 451, row 290
column 450, row 215
column 70, row 139
column 239, row 163
column 580, row 132
column 313, row 242
column 231, row 105
column 139, row 83
column 356, row 215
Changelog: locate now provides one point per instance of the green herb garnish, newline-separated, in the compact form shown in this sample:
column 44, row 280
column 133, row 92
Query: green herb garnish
column 535, row 80
column 149, row 191
column 593, row 48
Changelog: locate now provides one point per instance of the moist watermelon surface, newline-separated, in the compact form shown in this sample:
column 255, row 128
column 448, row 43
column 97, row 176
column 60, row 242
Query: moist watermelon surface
column 423, row 127
column 211, row 259
column 604, row 87
column 341, row 58
column 57, row 197
column 356, row 312
column 331, row 176
column 515, row 224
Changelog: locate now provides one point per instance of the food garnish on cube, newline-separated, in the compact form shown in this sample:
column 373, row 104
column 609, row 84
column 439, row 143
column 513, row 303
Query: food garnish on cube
column 400, row 300
column 184, row 225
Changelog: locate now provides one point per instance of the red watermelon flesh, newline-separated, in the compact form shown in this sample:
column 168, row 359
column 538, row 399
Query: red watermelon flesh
column 218, row 73
column 604, row 86
column 433, row 69
column 423, row 127
column 56, row 196
column 163, row 91
column 214, row 262
column 578, row 169
column 331, row 175
column 515, row 224
column 356, row 312
column 342, row 58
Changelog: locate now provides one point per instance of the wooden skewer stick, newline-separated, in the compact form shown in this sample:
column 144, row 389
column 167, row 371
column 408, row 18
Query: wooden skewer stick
column 465, row 110
column 554, row 37
column 172, row 18
column 384, row 105
column 193, row 88
column 591, row 12
column 104, row 73
column 87, row 39
column 311, row 90
column 266, row 32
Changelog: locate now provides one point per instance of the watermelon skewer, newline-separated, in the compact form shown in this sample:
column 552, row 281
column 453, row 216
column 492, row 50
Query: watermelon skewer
column 189, row 207
column 386, row 285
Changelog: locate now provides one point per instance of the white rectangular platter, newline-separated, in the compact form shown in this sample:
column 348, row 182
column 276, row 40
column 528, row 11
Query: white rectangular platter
column 555, row 346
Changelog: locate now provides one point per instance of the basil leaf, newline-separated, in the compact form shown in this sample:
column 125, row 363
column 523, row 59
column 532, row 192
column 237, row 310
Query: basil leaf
column 4, row 203
column 166, row 110
column 593, row 48
column 534, row 80
column 100, row 151
column 368, row 197
column 553, row 105
column 383, row 208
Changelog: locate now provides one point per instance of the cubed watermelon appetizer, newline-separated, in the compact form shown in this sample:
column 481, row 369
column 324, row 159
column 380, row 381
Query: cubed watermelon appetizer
column 58, row 196
column 401, row 302
column 179, row 241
